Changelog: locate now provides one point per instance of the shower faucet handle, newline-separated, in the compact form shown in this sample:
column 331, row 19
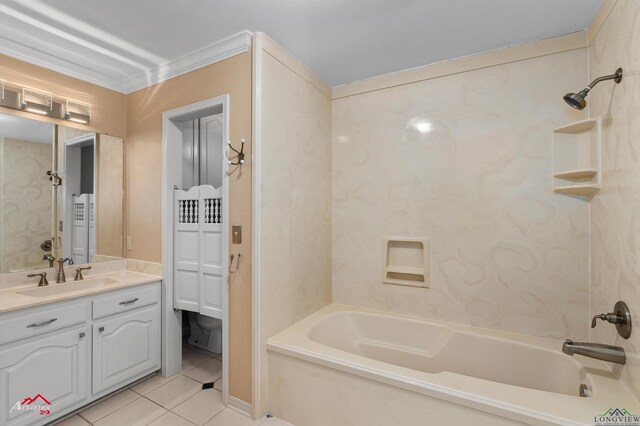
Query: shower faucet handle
column 621, row 317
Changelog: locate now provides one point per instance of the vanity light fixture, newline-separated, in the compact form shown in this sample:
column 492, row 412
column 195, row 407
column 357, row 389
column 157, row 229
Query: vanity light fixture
column 9, row 98
column 36, row 108
column 78, row 112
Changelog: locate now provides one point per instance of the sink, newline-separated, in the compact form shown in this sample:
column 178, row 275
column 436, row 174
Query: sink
column 53, row 289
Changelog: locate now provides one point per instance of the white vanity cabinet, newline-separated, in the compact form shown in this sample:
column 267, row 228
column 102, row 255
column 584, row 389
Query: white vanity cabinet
column 44, row 355
column 126, row 344
column 73, row 352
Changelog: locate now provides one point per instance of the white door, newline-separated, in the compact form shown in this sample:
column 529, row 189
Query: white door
column 213, row 271
column 125, row 347
column 91, row 228
column 186, row 288
column 80, row 230
column 52, row 369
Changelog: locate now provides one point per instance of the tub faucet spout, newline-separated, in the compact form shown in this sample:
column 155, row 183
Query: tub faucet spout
column 600, row 351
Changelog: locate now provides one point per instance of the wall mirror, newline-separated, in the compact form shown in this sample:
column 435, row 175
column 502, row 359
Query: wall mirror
column 61, row 194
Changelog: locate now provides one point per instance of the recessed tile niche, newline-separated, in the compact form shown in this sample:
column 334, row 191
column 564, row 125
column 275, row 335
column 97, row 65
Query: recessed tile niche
column 405, row 261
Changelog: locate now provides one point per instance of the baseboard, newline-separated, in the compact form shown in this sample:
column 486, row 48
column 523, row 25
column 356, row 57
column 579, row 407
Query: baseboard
column 240, row 405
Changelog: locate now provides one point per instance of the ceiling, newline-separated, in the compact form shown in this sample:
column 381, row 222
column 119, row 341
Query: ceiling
column 24, row 129
column 121, row 44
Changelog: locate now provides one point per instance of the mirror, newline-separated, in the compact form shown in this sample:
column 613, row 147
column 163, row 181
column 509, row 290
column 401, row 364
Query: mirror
column 61, row 194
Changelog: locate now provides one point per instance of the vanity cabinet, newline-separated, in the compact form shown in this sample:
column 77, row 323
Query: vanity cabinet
column 72, row 353
column 125, row 346
column 53, row 367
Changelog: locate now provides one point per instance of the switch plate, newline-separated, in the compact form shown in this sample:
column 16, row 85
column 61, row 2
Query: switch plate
column 236, row 234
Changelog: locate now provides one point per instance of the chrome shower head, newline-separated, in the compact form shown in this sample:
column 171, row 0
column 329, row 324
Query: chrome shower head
column 577, row 100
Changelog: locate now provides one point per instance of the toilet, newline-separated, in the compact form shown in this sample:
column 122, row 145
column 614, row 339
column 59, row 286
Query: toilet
column 206, row 332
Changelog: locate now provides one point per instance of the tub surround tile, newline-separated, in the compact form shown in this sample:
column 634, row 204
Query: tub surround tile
column 295, row 205
column 109, row 405
column 201, row 407
column 506, row 253
column 176, row 391
column 615, row 211
column 138, row 413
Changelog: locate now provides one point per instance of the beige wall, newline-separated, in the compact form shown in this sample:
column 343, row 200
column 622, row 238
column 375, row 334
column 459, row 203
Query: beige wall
column 506, row 252
column 143, row 151
column 108, row 106
column 295, row 198
column 615, row 211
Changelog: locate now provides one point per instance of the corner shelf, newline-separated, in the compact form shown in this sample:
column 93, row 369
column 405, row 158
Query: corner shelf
column 576, row 157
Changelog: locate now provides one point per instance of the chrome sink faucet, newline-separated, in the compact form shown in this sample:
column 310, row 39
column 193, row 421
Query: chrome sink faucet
column 60, row 278
column 600, row 351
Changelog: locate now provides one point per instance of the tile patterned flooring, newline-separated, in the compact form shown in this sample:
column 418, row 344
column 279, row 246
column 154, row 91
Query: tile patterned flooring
column 172, row 401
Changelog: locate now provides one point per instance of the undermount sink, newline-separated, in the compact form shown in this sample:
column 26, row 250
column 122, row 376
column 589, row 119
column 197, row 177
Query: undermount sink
column 53, row 289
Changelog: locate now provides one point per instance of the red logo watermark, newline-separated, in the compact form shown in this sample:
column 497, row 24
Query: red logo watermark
column 38, row 403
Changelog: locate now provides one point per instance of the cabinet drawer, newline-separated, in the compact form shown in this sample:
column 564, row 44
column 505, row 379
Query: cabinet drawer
column 125, row 300
column 41, row 320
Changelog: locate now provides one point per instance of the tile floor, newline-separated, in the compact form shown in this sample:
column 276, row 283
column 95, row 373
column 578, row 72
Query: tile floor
column 172, row 401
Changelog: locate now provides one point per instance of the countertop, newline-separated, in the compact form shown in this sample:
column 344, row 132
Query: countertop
column 11, row 299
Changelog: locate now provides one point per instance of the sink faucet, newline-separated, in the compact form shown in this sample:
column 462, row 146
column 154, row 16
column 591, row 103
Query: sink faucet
column 600, row 351
column 50, row 258
column 61, row 278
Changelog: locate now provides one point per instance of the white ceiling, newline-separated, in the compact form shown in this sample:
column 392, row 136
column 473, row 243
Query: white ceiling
column 24, row 129
column 115, row 43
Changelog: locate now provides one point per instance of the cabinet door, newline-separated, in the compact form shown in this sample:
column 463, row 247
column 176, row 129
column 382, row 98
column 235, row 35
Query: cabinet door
column 125, row 348
column 51, row 371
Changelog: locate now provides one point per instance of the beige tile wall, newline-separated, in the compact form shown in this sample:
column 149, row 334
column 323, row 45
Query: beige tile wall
column 615, row 211
column 295, row 206
column 506, row 252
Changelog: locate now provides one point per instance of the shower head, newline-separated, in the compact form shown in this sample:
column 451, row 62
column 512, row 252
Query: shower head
column 577, row 100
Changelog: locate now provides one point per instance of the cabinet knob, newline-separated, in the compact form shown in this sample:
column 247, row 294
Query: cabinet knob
column 101, row 329
column 81, row 335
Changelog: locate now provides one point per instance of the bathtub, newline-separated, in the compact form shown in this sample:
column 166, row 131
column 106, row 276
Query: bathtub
column 350, row 366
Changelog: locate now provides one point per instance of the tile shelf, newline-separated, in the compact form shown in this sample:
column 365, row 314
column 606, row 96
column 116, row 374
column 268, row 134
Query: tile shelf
column 576, row 157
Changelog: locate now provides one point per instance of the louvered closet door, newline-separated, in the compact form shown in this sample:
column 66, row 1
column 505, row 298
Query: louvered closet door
column 186, row 274
column 213, row 272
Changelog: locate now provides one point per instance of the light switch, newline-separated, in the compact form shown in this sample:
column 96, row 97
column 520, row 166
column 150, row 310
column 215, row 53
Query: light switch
column 236, row 234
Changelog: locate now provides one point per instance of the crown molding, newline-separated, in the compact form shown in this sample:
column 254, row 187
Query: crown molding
column 215, row 52
column 218, row 51
column 54, row 63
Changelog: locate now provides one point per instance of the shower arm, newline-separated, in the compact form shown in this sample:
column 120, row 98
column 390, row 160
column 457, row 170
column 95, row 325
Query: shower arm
column 617, row 77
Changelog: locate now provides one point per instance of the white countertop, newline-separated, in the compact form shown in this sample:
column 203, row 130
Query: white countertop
column 12, row 300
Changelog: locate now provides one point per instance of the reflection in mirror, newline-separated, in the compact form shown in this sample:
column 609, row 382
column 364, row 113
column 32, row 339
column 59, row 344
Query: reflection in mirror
column 26, row 206
column 90, row 199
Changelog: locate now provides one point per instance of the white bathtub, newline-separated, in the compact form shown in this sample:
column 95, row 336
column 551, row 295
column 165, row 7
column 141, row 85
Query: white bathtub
column 350, row 366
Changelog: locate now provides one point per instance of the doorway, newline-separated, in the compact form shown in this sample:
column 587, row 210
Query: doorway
column 195, row 158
